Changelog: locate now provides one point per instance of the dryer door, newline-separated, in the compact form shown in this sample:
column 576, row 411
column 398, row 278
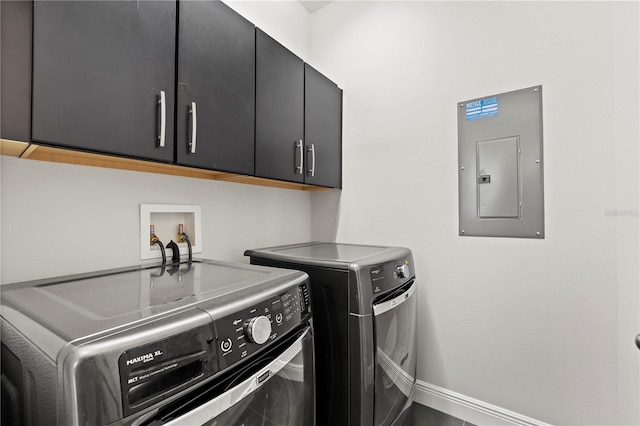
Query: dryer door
column 395, row 331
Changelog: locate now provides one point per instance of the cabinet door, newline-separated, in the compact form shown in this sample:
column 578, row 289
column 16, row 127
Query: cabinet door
column 216, row 74
column 322, row 130
column 15, row 70
column 100, row 70
column 279, row 111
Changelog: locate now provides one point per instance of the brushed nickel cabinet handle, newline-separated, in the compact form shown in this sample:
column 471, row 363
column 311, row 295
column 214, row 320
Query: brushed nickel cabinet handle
column 194, row 127
column 300, row 168
column 312, row 171
column 163, row 118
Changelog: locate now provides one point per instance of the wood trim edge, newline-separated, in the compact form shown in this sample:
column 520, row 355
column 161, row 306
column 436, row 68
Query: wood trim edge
column 25, row 150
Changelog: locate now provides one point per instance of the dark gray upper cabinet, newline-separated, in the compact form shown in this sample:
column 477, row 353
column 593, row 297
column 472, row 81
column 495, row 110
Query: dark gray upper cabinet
column 192, row 83
column 322, row 129
column 15, row 73
column 298, row 119
column 216, row 88
column 279, row 111
column 104, row 76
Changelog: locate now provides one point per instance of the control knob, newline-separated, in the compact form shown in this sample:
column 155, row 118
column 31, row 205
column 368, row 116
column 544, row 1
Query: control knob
column 258, row 329
column 402, row 271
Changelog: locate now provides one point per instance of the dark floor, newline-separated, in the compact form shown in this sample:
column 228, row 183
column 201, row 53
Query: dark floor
column 419, row 415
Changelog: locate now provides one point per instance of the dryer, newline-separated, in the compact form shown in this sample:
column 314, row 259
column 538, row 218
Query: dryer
column 364, row 303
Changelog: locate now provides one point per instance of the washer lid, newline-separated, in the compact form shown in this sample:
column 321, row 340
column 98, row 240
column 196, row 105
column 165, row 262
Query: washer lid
column 78, row 306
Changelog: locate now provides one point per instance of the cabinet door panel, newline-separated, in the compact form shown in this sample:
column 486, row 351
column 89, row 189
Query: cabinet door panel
column 216, row 70
column 323, row 130
column 15, row 73
column 279, row 110
column 98, row 70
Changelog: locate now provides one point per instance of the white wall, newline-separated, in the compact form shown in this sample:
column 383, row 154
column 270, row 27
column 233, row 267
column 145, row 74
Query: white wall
column 61, row 219
column 287, row 21
column 626, row 66
column 527, row 325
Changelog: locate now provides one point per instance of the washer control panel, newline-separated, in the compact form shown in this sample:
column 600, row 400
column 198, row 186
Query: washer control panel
column 244, row 332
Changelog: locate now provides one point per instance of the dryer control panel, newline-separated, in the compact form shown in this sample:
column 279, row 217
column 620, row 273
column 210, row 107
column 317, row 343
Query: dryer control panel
column 244, row 332
column 390, row 275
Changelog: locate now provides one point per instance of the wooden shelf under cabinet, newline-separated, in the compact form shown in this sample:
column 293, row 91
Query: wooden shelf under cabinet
column 29, row 151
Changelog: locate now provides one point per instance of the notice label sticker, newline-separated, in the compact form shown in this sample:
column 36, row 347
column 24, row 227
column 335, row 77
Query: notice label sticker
column 482, row 109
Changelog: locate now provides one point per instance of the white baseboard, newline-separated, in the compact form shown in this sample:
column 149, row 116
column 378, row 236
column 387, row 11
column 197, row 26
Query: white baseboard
column 469, row 409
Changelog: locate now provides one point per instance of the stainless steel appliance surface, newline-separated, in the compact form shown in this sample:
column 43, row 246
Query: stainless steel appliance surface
column 364, row 303
column 198, row 343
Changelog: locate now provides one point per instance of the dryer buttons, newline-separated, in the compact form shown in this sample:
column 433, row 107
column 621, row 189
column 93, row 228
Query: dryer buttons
column 402, row 271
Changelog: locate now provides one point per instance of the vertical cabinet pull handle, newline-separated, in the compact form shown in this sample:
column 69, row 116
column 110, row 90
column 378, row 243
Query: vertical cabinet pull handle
column 194, row 127
column 312, row 171
column 163, row 118
column 300, row 168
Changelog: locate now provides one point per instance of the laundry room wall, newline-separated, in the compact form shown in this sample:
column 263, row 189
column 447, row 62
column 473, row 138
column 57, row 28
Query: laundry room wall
column 532, row 329
column 60, row 219
column 511, row 331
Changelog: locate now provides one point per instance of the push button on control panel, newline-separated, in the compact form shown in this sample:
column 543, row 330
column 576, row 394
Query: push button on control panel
column 303, row 296
column 226, row 345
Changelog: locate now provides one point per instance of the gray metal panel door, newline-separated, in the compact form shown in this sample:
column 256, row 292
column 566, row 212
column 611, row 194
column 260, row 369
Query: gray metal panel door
column 216, row 71
column 99, row 70
column 498, row 178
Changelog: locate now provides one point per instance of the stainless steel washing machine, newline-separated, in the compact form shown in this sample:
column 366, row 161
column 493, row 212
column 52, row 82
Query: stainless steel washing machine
column 364, row 304
column 204, row 343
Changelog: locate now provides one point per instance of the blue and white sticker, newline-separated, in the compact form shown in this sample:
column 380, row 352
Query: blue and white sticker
column 482, row 109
